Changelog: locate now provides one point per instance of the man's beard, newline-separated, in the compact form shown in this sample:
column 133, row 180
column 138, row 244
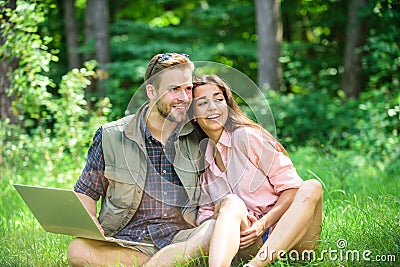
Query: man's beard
column 165, row 111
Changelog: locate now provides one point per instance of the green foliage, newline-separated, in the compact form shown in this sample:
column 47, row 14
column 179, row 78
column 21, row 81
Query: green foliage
column 25, row 44
column 381, row 62
column 53, row 123
column 219, row 31
column 71, row 116
column 313, row 45
column 368, row 125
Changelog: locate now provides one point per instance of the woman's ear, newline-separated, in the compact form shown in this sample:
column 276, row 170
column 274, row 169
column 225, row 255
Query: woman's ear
column 151, row 91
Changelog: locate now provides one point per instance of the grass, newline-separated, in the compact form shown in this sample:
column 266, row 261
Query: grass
column 361, row 211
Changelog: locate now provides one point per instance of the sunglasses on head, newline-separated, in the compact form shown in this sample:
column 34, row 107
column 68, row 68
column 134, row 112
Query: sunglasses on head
column 164, row 57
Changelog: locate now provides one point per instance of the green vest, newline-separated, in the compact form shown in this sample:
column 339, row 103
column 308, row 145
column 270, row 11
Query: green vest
column 125, row 160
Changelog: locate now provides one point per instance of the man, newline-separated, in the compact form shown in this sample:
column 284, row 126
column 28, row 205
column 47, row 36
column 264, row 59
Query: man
column 143, row 166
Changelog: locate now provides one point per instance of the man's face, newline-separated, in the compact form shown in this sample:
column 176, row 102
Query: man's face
column 174, row 94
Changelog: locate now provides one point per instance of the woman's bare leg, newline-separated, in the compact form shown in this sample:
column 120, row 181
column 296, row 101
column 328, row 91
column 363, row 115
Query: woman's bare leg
column 182, row 252
column 225, row 240
column 299, row 228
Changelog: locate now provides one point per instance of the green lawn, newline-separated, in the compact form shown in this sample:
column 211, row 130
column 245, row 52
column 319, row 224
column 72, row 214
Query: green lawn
column 361, row 224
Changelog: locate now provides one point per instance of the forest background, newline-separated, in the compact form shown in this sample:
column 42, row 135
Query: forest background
column 330, row 71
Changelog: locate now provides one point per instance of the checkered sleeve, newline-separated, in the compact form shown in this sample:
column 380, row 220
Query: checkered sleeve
column 92, row 181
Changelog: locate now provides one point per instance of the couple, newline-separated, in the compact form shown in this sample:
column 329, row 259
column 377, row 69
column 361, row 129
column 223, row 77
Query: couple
column 147, row 169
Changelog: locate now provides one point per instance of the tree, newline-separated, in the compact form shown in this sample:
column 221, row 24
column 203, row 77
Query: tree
column 352, row 80
column 7, row 65
column 269, row 30
column 102, row 41
column 97, row 38
column 71, row 34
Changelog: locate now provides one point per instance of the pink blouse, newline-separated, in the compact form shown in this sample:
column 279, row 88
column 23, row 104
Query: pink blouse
column 256, row 170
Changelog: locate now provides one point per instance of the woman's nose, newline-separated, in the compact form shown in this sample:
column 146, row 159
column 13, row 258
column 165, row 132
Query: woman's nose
column 211, row 105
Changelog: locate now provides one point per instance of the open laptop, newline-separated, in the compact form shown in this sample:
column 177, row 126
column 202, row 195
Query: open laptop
column 61, row 211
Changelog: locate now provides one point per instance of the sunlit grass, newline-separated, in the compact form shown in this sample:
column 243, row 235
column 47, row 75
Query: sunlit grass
column 361, row 208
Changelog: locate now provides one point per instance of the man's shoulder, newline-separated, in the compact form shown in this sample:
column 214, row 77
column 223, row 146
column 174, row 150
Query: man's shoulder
column 118, row 124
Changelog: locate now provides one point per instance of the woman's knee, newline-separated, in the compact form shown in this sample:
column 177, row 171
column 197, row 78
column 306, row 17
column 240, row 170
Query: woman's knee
column 233, row 205
column 312, row 189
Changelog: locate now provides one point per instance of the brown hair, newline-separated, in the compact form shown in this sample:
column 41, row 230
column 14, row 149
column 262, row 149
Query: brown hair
column 236, row 117
column 161, row 62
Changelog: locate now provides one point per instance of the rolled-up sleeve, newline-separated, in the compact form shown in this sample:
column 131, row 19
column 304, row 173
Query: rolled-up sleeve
column 282, row 174
column 265, row 153
column 92, row 181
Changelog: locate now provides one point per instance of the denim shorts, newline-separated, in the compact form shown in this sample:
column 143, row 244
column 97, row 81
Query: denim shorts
column 265, row 235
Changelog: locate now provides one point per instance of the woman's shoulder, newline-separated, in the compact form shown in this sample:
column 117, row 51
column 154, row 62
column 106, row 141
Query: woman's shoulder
column 253, row 137
column 250, row 132
column 244, row 131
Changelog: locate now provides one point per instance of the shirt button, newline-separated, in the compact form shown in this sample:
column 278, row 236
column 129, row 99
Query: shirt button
column 144, row 231
column 164, row 171
column 165, row 193
column 165, row 215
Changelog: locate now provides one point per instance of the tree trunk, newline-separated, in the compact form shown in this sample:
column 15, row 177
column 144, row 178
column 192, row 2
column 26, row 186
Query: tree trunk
column 7, row 65
column 352, row 80
column 89, row 42
column 71, row 33
column 102, row 38
column 97, row 37
column 269, row 31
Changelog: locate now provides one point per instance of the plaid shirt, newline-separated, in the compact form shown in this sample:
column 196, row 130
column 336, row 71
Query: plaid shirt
column 158, row 217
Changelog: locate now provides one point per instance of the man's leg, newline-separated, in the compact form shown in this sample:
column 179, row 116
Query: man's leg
column 87, row 252
column 195, row 242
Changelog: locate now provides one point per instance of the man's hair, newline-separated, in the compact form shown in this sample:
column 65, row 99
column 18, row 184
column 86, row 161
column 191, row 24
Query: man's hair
column 161, row 62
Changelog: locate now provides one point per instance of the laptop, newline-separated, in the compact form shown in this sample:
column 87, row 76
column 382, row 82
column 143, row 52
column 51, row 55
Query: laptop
column 61, row 211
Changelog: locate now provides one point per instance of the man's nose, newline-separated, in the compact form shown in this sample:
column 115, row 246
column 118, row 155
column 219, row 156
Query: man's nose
column 183, row 95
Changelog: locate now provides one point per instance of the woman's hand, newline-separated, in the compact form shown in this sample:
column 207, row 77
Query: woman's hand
column 249, row 236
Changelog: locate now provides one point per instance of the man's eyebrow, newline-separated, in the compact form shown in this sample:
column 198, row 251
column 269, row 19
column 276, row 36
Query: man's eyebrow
column 173, row 85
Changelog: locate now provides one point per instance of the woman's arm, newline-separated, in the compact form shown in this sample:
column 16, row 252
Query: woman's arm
column 281, row 206
column 258, row 227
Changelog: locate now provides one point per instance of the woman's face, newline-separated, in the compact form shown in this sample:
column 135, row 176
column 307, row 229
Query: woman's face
column 210, row 109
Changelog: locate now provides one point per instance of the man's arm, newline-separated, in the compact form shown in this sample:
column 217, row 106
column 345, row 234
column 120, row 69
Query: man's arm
column 90, row 205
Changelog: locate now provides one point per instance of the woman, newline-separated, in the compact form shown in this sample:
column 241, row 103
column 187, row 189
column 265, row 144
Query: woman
column 249, row 184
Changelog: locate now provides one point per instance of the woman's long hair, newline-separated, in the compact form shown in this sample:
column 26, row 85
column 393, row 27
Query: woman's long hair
column 236, row 117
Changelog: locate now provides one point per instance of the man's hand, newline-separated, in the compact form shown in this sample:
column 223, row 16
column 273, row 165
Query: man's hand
column 249, row 236
column 98, row 224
